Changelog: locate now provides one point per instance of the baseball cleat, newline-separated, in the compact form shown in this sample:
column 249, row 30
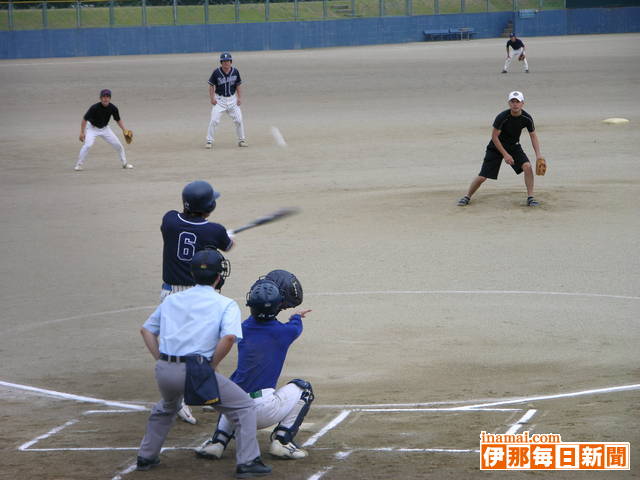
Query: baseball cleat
column 185, row 414
column 464, row 201
column 208, row 145
column 210, row 450
column 503, row 71
column 532, row 202
column 526, row 71
column 286, row 450
column 243, row 143
column 77, row 168
column 146, row 464
column 254, row 468
column 127, row 165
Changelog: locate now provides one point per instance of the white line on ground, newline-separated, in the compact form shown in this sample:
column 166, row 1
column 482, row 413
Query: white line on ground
column 277, row 136
column 332, row 424
column 320, row 474
column 97, row 449
column 452, row 409
column 418, row 450
column 53, row 431
column 553, row 397
column 518, row 424
column 343, row 455
column 68, row 396
column 469, row 292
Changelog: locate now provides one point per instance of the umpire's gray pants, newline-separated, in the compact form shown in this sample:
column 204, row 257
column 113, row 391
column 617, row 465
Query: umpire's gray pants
column 234, row 403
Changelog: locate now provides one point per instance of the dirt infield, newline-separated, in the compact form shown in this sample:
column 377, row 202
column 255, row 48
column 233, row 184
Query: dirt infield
column 420, row 307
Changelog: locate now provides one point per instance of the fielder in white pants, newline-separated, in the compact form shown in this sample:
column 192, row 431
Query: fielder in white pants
column 230, row 106
column 516, row 54
column 107, row 134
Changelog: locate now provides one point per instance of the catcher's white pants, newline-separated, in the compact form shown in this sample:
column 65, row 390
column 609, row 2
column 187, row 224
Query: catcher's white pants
column 90, row 135
column 229, row 105
column 275, row 406
column 515, row 54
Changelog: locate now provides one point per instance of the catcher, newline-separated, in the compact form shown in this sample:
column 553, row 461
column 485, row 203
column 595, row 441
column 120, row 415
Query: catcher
column 95, row 124
column 505, row 144
column 261, row 356
column 518, row 51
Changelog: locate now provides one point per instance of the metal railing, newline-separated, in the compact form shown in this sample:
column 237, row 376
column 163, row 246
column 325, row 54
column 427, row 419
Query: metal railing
column 55, row 14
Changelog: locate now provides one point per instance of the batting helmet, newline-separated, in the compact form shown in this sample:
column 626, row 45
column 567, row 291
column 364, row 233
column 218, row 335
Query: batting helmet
column 226, row 57
column 264, row 299
column 207, row 265
column 199, row 197
column 289, row 286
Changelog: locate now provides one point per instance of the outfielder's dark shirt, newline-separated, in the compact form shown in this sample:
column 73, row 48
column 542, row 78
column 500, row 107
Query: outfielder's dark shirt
column 99, row 115
column 263, row 350
column 510, row 127
column 225, row 84
column 183, row 236
column 515, row 44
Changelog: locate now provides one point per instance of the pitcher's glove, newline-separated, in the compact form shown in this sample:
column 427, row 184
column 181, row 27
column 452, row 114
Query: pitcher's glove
column 521, row 57
column 128, row 136
column 541, row 166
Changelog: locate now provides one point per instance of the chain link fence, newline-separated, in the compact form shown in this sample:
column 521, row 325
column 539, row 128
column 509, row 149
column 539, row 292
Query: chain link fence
column 52, row 14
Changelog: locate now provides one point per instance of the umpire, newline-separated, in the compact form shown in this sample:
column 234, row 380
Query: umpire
column 192, row 331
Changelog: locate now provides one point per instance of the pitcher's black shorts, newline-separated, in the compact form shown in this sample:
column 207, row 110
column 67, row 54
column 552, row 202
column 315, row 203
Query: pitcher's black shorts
column 493, row 160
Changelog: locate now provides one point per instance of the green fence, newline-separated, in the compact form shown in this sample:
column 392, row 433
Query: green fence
column 30, row 15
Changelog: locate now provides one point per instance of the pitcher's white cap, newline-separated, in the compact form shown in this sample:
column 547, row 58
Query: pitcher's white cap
column 517, row 95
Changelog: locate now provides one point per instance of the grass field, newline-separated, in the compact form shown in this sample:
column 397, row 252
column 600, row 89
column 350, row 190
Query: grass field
column 37, row 15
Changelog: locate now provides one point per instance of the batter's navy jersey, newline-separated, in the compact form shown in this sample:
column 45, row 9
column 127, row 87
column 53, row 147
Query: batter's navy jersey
column 225, row 84
column 263, row 350
column 515, row 44
column 183, row 236
column 510, row 127
column 99, row 115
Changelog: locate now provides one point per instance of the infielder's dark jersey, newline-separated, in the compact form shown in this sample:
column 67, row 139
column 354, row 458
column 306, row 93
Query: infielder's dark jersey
column 99, row 115
column 515, row 44
column 183, row 236
column 510, row 127
column 225, row 84
column 263, row 350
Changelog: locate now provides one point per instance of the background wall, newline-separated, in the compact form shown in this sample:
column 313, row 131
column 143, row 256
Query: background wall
column 296, row 35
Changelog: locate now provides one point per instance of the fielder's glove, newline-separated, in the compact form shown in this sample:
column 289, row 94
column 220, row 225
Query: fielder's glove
column 541, row 166
column 521, row 57
column 128, row 136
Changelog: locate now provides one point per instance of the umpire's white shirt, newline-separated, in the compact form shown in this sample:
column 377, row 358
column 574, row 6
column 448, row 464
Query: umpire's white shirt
column 193, row 321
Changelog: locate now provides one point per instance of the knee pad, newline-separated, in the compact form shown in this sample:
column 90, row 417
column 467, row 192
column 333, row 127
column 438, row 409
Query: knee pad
column 307, row 390
column 284, row 434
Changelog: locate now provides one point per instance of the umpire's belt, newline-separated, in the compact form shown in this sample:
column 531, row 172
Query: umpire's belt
column 173, row 358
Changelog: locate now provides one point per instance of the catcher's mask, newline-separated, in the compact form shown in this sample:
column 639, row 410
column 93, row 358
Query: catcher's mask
column 264, row 299
column 199, row 197
column 207, row 265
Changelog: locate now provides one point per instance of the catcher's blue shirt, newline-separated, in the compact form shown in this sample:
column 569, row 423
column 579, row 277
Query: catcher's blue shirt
column 183, row 236
column 263, row 350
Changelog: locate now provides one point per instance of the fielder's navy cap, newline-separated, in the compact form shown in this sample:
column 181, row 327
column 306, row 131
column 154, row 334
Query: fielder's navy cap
column 225, row 56
column 512, row 34
column 105, row 93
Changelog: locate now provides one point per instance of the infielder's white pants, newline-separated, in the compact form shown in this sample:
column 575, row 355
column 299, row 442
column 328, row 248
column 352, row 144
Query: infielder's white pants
column 275, row 406
column 515, row 54
column 90, row 135
column 229, row 105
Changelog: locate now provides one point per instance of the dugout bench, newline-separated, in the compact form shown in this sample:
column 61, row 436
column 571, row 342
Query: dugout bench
column 452, row 33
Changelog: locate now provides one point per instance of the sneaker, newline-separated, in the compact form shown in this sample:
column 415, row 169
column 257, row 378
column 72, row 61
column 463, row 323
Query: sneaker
column 208, row 145
column 210, row 450
column 127, row 165
column 464, row 201
column 526, row 71
column 254, row 468
column 185, row 414
column 287, row 450
column 78, row 168
column 243, row 143
column 503, row 71
column 532, row 202
column 146, row 464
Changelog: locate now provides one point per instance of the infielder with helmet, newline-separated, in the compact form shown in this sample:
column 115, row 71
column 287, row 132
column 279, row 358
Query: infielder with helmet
column 225, row 93
column 183, row 235
column 188, row 335
column 95, row 124
column 261, row 356
column 505, row 144
column 517, row 46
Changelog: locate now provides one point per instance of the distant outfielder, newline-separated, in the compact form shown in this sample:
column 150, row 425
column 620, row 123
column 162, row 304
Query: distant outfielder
column 225, row 93
column 95, row 124
column 518, row 51
column 261, row 356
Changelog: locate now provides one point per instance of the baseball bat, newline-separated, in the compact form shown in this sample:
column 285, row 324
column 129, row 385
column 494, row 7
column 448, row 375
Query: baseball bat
column 272, row 217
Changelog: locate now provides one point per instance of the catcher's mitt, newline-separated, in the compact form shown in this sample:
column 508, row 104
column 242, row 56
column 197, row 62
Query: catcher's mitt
column 289, row 286
column 521, row 57
column 541, row 166
column 128, row 136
